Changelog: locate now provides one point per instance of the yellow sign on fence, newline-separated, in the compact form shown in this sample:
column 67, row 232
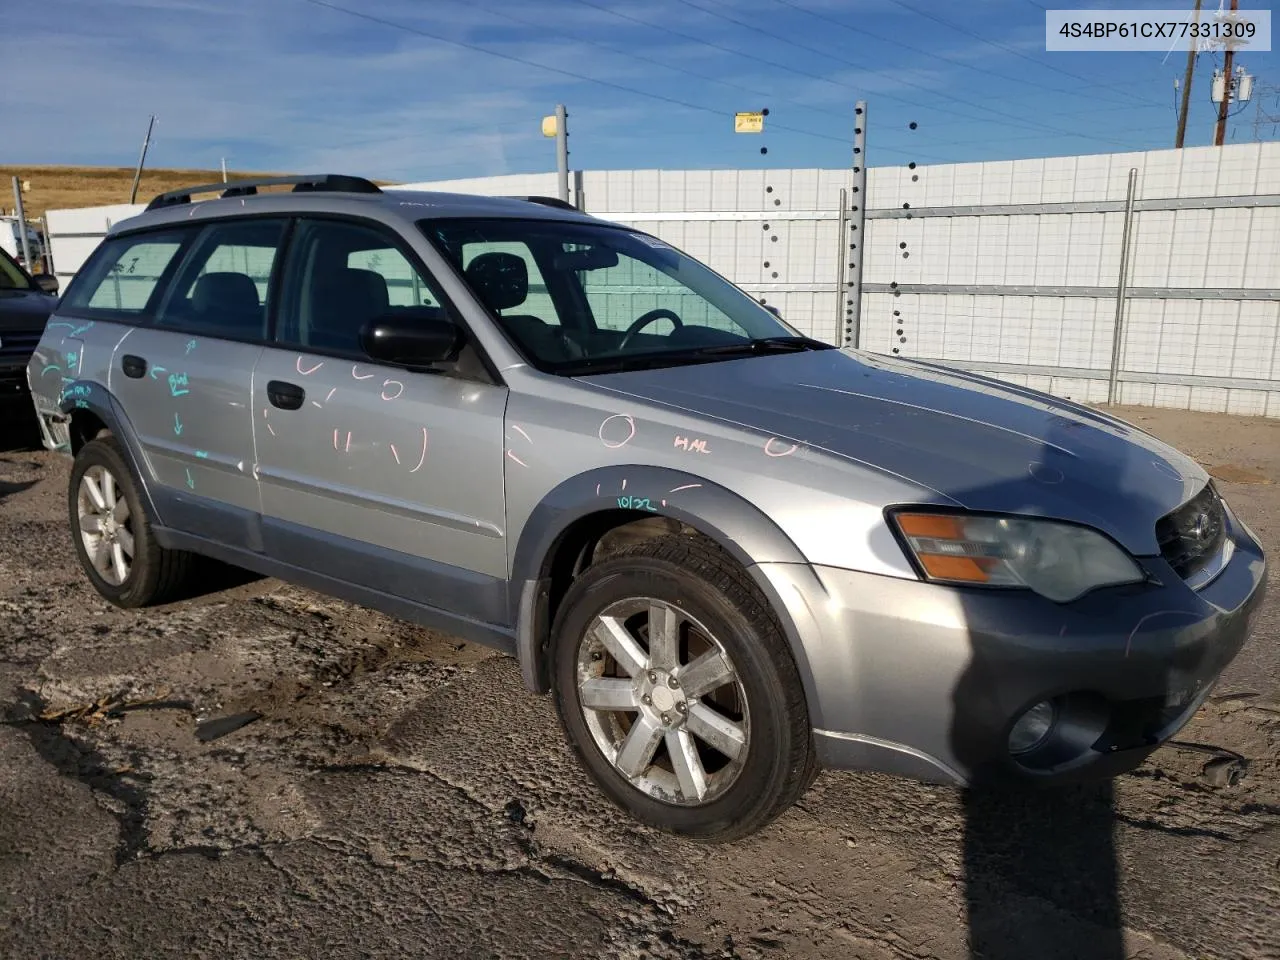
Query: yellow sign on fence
column 748, row 122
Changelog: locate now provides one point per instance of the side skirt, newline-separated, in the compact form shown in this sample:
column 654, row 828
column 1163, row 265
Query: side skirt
column 493, row 635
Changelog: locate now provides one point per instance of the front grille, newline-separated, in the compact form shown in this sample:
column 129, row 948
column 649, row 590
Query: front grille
column 1193, row 534
column 18, row 346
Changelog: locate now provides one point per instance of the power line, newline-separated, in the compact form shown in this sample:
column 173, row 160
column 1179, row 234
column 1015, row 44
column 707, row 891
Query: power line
column 1031, row 125
column 1002, row 46
column 862, row 31
column 562, row 72
column 666, row 66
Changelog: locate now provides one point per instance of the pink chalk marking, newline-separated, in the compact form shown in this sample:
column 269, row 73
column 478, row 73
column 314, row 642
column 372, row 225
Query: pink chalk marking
column 785, row 453
column 348, row 449
column 315, row 403
column 264, row 413
column 307, row 373
column 367, row 376
column 597, row 489
column 624, row 484
column 617, row 416
column 422, row 459
column 335, row 439
column 687, row 486
column 664, row 503
column 272, row 429
column 386, row 384
column 517, row 428
column 330, row 395
column 512, row 456
column 394, row 452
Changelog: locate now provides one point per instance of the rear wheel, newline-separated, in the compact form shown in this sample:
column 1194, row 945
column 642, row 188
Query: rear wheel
column 677, row 690
column 112, row 534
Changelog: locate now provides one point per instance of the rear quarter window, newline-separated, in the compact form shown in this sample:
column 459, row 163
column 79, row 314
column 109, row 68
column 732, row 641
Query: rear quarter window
column 121, row 278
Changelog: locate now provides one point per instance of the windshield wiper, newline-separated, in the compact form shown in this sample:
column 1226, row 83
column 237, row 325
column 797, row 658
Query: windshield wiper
column 763, row 345
column 676, row 358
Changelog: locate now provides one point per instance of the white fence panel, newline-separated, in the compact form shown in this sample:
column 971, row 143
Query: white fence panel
column 1021, row 284
column 74, row 234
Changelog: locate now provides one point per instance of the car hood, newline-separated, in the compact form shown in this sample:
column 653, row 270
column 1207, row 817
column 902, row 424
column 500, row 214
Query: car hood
column 980, row 443
column 25, row 309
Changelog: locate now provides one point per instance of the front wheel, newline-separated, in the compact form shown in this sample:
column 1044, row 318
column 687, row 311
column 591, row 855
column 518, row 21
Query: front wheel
column 678, row 692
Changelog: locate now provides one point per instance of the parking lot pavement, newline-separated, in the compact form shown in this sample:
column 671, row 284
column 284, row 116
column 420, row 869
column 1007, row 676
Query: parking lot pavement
column 388, row 791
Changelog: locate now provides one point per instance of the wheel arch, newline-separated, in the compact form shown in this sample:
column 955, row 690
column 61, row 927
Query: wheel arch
column 90, row 408
column 575, row 515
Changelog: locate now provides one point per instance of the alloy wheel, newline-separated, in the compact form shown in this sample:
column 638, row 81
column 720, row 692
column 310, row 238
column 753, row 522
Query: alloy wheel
column 663, row 701
column 106, row 528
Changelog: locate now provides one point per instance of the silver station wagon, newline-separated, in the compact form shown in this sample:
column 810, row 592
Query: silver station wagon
column 734, row 554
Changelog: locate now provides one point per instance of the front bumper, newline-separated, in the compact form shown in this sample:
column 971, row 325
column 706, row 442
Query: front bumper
column 926, row 681
column 13, row 378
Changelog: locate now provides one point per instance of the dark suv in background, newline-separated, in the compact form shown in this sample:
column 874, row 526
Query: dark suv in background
column 25, row 305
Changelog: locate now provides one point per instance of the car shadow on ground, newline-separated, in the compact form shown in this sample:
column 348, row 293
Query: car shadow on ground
column 18, row 428
column 1041, row 871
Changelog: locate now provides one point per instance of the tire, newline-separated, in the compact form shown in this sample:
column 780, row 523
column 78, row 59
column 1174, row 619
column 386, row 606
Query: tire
column 756, row 713
column 151, row 574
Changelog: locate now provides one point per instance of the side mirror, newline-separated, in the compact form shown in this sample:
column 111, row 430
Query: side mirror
column 774, row 310
column 413, row 337
column 46, row 282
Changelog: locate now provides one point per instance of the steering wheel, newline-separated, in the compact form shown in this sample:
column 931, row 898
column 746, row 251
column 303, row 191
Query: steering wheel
column 642, row 321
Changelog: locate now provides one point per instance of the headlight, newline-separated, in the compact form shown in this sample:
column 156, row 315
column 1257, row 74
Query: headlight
column 1060, row 561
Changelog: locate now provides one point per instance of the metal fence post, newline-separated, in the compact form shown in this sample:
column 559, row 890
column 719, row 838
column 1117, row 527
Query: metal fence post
column 47, row 244
column 562, row 151
column 22, row 224
column 1122, row 283
column 842, row 230
column 853, row 240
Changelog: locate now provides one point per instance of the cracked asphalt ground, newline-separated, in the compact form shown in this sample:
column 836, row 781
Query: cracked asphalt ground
column 400, row 794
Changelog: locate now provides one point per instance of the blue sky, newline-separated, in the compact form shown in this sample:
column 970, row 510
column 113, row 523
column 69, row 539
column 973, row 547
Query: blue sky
column 294, row 84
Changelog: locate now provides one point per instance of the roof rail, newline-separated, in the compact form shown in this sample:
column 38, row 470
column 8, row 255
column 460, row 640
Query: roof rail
column 547, row 202
column 334, row 182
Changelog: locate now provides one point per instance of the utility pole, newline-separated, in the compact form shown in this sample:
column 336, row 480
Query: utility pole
column 1220, row 134
column 137, row 174
column 557, row 126
column 1186, row 86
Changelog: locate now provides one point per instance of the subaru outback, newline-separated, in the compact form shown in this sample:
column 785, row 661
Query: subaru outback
column 733, row 553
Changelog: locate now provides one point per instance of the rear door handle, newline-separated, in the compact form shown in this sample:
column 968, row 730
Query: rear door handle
column 286, row 396
column 132, row 366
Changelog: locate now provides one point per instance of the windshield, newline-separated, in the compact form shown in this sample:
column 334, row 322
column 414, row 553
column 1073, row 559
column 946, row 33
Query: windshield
column 11, row 275
column 580, row 298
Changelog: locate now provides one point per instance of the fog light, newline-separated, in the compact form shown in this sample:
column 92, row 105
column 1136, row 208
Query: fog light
column 1032, row 728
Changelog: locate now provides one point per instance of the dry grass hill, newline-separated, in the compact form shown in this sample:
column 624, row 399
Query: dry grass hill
column 60, row 188
column 57, row 188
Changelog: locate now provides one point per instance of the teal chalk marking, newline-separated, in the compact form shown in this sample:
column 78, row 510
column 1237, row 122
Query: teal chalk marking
column 636, row 503
column 52, row 366
column 202, row 454
column 177, row 426
column 191, row 484
column 155, row 370
column 191, row 345
column 177, row 380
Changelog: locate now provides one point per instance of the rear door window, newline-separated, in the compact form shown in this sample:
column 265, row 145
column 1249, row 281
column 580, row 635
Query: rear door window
column 222, row 288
